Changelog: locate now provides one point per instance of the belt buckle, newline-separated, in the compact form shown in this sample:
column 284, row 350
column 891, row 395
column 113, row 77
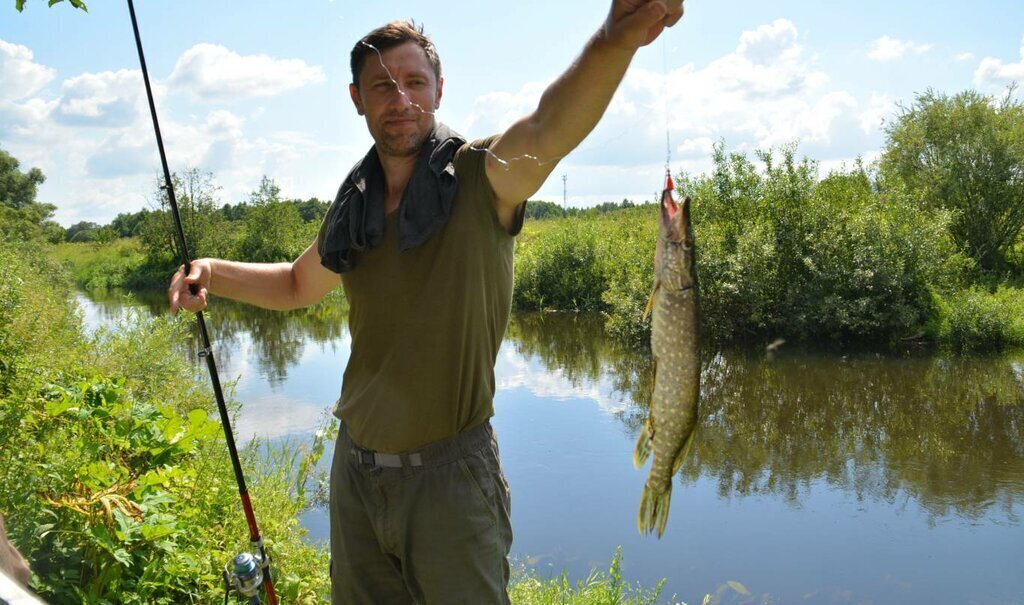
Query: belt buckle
column 364, row 457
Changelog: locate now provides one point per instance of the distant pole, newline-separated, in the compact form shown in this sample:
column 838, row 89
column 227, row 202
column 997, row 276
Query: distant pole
column 565, row 192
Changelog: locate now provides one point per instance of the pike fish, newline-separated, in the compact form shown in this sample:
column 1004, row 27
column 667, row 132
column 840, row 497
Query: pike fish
column 668, row 432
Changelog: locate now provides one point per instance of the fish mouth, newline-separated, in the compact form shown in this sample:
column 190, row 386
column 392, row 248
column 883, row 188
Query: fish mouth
column 675, row 217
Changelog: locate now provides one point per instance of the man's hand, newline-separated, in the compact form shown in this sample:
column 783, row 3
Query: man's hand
column 180, row 296
column 635, row 23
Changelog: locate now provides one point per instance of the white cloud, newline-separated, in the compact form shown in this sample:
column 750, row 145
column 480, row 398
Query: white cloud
column 768, row 91
column 120, row 156
column 768, row 43
column 993, row 72
column 21, row 119
column 19, row 75
column 700, row 146
column 880, row 106
column 890, row 49
column 212, row 72
column 496, row 111
column 965, row 57
column 110, row 99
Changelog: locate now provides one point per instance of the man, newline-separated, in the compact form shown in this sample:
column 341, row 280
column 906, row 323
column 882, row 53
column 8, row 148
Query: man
column 421, row 237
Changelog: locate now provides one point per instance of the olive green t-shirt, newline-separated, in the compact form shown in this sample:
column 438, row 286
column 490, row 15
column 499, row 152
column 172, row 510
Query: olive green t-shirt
column 426, row 324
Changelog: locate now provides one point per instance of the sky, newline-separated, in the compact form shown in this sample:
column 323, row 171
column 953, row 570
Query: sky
column 246, row 89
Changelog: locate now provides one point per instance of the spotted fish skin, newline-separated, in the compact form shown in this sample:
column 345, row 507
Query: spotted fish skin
column 675, row 343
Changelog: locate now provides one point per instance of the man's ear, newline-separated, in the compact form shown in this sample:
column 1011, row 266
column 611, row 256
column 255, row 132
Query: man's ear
column 437, row 99
column 354, row 93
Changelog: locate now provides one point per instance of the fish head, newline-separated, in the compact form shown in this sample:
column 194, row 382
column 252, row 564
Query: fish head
column 675, row 259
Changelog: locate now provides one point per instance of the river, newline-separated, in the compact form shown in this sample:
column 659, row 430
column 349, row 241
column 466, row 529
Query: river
column 816, row 477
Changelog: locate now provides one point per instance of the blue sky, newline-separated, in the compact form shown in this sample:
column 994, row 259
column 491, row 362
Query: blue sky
column 252, row 88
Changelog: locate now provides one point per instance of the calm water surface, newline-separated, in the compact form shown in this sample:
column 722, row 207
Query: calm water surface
column 815, row 478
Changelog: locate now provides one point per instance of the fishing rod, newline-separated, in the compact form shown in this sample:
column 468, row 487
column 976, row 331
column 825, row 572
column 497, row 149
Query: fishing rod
column 247, row 571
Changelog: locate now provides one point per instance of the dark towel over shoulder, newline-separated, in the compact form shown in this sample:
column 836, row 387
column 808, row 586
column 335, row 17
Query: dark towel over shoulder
column 355, row 221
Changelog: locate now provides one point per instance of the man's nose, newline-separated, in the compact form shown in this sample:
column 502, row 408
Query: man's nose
column 399, row 98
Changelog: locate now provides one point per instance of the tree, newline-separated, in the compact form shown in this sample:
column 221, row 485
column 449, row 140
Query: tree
column 966, row 154
column 82, row 231
column 196, row 195
column 312, row 209
column 22, row 218
column 128, row 224
column 540, row 209
column 17, row 188
column 273, row 228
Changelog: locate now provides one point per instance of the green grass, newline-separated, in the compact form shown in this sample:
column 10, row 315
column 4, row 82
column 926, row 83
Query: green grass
column 118, row 264
column 598, row 588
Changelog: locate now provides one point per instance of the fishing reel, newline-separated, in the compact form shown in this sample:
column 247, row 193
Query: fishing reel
column 244, row 574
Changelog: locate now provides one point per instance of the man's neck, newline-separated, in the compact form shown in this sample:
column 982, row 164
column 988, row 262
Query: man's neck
column 397, row 172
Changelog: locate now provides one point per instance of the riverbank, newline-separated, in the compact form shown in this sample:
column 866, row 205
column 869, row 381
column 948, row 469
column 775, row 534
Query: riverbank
column 882, row 282
column 117, row 483
column 883, row 287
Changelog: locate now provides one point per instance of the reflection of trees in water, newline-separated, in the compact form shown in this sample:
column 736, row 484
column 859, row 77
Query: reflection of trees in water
column 576, row 345
column 278, row 338
column 947, row 432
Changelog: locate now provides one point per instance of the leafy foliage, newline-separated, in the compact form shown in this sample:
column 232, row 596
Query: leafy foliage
column 79, row 4
column 116, row 484
column 273, row 228
column 965, row 154
column 779, row 253
column 22, row 218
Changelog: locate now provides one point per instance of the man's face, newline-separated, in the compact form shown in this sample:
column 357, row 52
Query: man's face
column 400, row 117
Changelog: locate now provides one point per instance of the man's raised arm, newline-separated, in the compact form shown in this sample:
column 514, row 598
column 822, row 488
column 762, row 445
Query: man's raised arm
column 523, row 157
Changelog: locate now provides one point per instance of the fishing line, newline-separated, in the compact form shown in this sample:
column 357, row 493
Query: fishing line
column 505, row 163
column 247, row 572
column 664, row 75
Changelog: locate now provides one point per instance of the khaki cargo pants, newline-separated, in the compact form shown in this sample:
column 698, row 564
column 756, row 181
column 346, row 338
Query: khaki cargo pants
column 429, row 527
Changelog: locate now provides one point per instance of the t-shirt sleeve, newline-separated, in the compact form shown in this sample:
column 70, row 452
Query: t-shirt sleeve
column 471, row 167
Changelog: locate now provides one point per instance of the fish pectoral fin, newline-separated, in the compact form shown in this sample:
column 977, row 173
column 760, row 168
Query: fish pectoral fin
column 644, row 444
column 650, row 300
column 684, row 453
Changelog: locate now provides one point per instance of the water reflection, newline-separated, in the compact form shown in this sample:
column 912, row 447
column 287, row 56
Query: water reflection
column 278, row 339
column 816, row 478
column 945, row 431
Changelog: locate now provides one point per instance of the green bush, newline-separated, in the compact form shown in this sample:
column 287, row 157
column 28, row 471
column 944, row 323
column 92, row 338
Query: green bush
column 561, row 270
column 780, row 253
column 975, row 319
column 814, row 259
column 117, row 486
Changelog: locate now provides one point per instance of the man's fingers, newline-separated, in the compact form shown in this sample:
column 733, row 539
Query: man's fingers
column 673, row 19
column 195, row 274
column 174, row 290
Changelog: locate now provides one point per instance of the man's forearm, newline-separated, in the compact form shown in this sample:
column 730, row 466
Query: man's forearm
column 267, row 285
column 574, row 103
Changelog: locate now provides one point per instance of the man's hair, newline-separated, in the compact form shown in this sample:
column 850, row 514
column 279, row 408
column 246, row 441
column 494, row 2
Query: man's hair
column 389, row 36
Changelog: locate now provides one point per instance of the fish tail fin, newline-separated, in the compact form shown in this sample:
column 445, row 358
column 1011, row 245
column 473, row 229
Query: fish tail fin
column 653, row 513
column 684, row 453
column 643, row 445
